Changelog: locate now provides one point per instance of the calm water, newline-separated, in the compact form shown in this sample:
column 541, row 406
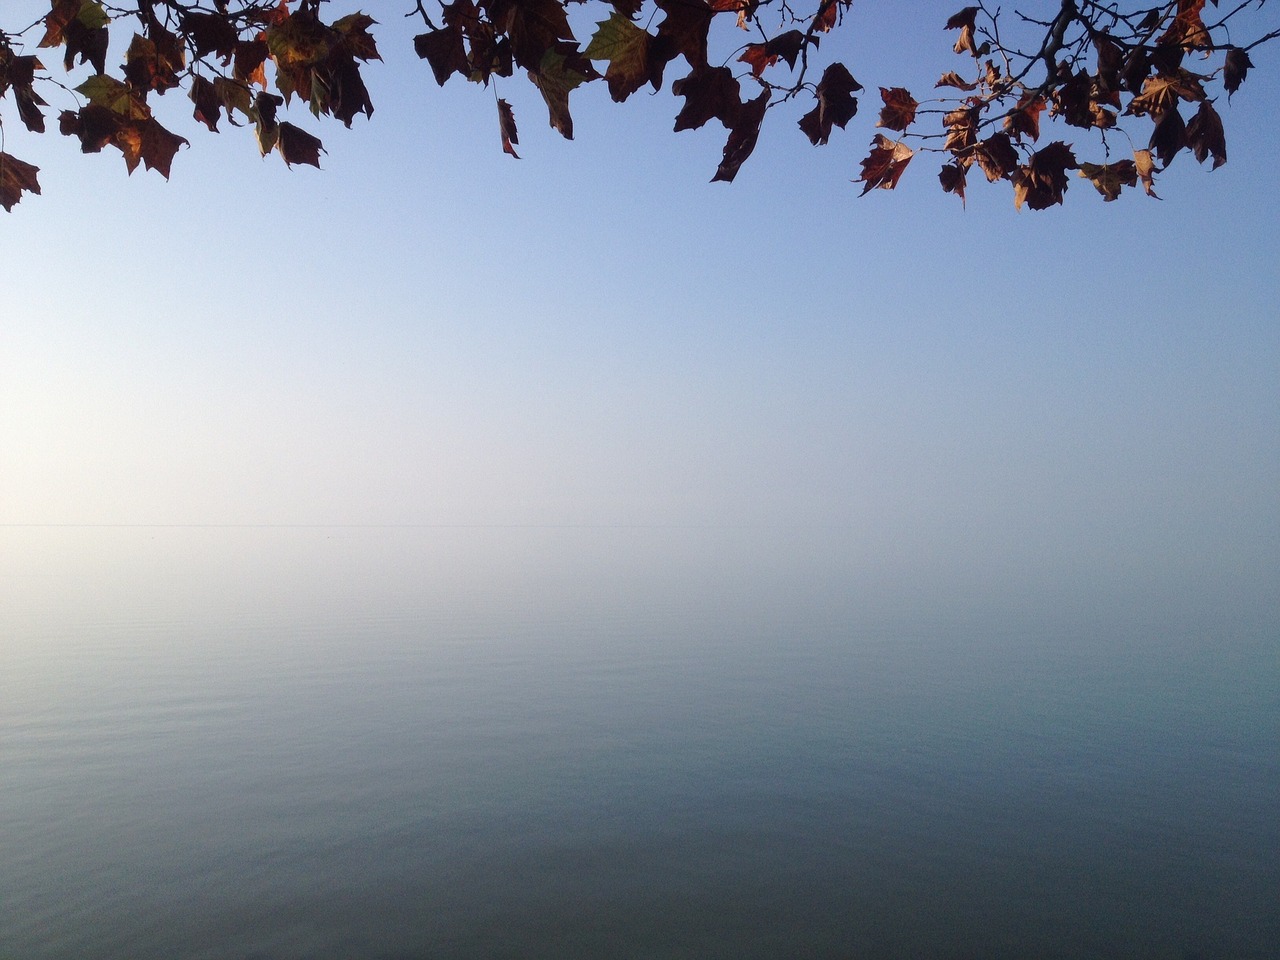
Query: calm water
column 329, row 743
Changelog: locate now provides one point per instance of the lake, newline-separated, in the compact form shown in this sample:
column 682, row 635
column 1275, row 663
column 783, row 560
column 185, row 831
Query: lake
column 527, row 742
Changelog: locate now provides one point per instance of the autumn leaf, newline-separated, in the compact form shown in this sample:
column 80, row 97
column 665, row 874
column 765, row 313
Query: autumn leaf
column 104, row 91
column 1160, row 94
column 1025, row 117
column 685, row 29
column 353, row 29
column 154, row 66
column 560, row 72
column 742, row 137
column 708, row 92
column 953, row 79
column 250, row 61
column 18, row 74
column 965, row 21
column 1205, row 136
column 208, row 103
column 1109, row 178
column 536, row 26
column 996, row 157
column 147, row 141
column 507, row 128
column 885, row 164
column 1145, row 165
column 443, row 49
column 627, row 49
column 899, row 110
column 211, row 33
column 298, row 146
column 1235, row 69
column 962, row 129
column 952, row 178
column 16, row 178
column 1169, row 136
column 836, row 104
column 1042, row 181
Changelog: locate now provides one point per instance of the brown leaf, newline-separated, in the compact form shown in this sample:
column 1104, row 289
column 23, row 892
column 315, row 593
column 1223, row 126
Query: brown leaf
column 742, row 137
column 250, row 60
column 964, row 21
column 1235, row 69
column 962, row 129
column 1025, row 117
column 885, row 164
column 211, row 33
column 16, row 178
column 208, row 103
column 444, row 51
column 298, row 146
column 507, row 128
column 1109, row 178
column 899, row 110
column 996, row 157
column 952, row 178
column 953, row 79
column 1206, row 137
column 685, row 29
column 836, row 104
column 709, row 92
column 1042, row 181
column 1145, row 165
column 1169, row 136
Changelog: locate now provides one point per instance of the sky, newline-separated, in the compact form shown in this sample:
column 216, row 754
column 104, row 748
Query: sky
column 429, row 332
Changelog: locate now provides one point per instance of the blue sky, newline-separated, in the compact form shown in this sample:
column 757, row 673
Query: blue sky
column 427, row 332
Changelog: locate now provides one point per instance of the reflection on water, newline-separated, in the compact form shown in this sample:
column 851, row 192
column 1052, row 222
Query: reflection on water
column 611, row 743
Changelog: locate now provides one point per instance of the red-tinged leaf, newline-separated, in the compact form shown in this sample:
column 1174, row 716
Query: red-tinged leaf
column 1168, row 137
column 298, row 146
column 885, row 164
column 953, row 79
column 1206, row 137
column 899, row 110
column 95, row 126
column 828, row 15
column 952, row 178
column 208, row 103
column 56, row 20
column 1187, row 30
column 836, row 104
column 1144, row 163
column 250, row 60
column 709, row 92
column 996, row 157
column 1025, row 117
column 151, row 65
column 759, row 57
column 356, row 40
column 742, row 137
column 507, row 128
column 1235, row 69
column 685, row 28
column 444, row 50
column 147, row 141
column 16, row 178
column 1042, row 181
column 788, row 45
column 1109, row 178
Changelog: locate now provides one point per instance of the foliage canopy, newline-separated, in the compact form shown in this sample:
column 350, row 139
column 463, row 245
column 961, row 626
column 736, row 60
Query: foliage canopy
column 1141, row 82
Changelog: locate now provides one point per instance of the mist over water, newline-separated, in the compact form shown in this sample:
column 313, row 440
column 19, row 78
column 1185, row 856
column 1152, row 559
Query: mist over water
column 632, row 742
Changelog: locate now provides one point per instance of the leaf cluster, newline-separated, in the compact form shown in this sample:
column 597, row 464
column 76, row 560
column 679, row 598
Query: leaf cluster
column 1147, row 77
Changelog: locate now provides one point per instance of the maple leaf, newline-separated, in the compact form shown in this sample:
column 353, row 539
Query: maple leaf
column 444, row 51
column 836, row 104
column 1235, row 69
column 18, row 74
column 1161, row 93
column 234, row 96
column 147, row 141
column 1109, row 178
column 708, row 92
column 507, row 128
column 885, row 164
column 87, row 43
column 354, row 36
column 1187, row 30
column 962, row 129
column 1025, row 117
column 759, row 57
column 250, row 60
column 104, row 91
column 742, row 137
column 828, row 15
column 1145, row 166
column 62, row 12
column 16, row 178
column 899, row 110
column 953, row 79
column 154, row 66
column 208, row 103
column 263, row 115
column 1169, row 136
column 1042, row 181
column 298, row 146
column 1206, row 137
column 952, row 178
column 965, row 21
column 996, row 157
column 685, row 29
column 211, row 33
column 535, row 27
column 561, row 70
column 627, row 48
